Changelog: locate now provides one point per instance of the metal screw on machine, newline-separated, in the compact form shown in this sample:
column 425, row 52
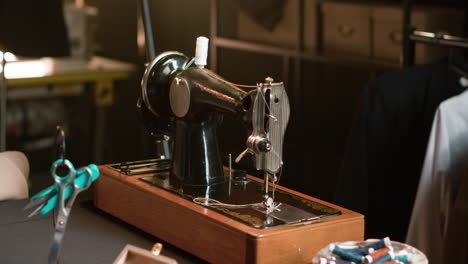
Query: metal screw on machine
column 255, row 144
column 263, row 145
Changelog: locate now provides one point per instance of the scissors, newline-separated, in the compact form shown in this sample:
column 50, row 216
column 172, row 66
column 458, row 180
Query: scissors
column 47, row 199
column 63, row 183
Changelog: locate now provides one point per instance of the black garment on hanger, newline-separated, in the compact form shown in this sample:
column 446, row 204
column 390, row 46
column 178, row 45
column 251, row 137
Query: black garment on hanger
column 387, row 145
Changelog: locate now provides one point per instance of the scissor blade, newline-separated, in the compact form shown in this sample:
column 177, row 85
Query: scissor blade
column 54, row 252
column 39, row 201
column 36, row 211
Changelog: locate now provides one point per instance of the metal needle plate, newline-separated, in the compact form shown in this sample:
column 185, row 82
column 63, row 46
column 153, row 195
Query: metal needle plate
column 289, row 214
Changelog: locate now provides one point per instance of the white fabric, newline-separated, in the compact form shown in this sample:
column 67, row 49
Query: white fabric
column 19, row 159
column 446, row 158
column 14, row 174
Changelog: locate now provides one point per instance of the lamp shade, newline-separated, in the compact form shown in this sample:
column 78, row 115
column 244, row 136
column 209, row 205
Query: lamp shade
column 33, row 28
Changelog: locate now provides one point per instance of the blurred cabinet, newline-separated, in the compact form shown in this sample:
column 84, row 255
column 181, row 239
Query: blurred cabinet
column 346, row 29
column 387, row 34
column 374, row 30
column 283, row 32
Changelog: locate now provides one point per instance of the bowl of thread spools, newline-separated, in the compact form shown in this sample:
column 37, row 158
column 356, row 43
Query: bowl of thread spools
column 371, row 251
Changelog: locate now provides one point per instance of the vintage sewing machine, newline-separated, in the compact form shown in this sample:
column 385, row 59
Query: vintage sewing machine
column 194, row 202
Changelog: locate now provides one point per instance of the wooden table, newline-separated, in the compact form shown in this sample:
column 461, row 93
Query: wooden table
column 102, row 72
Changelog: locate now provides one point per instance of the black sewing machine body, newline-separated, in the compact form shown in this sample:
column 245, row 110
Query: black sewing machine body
column 192, row 200
column 198, row 99
column 190, row 102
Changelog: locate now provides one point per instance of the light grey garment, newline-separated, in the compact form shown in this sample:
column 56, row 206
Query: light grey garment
column 444, row 165
column 457, row 230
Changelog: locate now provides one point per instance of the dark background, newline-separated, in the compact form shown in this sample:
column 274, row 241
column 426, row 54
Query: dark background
column 316, row 134
column 323, row 103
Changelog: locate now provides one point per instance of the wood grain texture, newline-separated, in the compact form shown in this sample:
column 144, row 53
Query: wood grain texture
column 213, row 236
column 135, row 255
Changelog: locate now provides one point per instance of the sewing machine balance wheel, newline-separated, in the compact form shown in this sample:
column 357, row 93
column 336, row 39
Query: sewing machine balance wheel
column 157, row 80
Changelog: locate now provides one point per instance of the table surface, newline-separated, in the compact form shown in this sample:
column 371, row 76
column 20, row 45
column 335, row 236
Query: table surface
column 92, row 236
column 66, row 70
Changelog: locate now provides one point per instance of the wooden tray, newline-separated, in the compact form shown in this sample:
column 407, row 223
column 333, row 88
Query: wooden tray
column 216, row 237
column 135, row 255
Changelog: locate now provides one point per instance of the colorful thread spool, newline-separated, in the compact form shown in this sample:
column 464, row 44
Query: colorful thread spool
column 384, row 242
column 378, row 254
column 334, row 261
column 403, row 258
column 361, row 251
column 346, row 255
column 387, row 257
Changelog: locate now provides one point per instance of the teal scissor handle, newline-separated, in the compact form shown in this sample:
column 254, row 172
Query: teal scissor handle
column 81, row 180
column 44, row 192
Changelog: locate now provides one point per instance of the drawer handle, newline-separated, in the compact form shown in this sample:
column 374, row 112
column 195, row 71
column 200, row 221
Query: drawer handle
column 346, row 31
column 396, row 37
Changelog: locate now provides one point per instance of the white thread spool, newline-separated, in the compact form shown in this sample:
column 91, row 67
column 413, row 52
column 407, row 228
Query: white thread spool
column 201, row 52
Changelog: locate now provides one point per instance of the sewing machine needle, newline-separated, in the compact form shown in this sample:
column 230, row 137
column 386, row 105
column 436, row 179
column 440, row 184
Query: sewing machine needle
column 40, row 200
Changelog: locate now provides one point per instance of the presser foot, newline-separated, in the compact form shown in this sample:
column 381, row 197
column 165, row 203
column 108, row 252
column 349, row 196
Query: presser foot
column 269, row 204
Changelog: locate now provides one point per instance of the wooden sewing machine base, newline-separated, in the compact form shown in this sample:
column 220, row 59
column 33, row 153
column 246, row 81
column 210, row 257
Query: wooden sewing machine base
column 223, row 236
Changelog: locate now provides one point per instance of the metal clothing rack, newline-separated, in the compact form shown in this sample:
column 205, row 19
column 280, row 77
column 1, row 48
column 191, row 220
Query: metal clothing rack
column 411, row 36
